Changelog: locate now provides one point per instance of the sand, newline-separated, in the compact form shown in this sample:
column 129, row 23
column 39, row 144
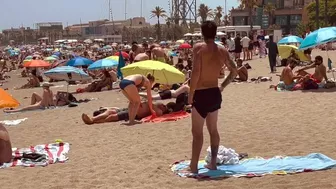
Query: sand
column 253, row 119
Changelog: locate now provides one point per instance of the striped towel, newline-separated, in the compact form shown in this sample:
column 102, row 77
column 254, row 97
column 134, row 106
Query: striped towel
column 40, row 155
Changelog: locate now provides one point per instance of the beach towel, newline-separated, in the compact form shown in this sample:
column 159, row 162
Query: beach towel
column 255, row 167
column 40, row 155
column 166, row 117
column 13, row 122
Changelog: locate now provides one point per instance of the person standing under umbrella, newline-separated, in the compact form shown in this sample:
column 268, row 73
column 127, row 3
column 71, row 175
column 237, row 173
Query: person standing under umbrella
column 205, row 95
column 273, row 52
column 130, row 86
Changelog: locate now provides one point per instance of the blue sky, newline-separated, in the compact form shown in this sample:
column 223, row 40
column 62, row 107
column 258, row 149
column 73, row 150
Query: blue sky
column 27, row 12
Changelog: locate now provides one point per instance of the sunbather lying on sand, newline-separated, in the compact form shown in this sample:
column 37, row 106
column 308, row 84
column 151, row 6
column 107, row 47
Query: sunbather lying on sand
column 115, row 114
column 45, row 101
column 5, row 146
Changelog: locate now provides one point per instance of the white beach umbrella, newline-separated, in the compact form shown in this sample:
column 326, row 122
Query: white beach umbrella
column 188, row 35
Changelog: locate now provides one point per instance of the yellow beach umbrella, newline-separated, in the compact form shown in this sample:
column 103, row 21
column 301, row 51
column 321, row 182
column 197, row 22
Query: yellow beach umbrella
column 113, row 58
column 6, row 100
column 163, row 73
column 285, row 51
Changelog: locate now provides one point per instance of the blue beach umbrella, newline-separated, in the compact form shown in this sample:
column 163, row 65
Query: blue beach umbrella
column 290, row 39
column 79, row 61
column 172, row 53
column 57, row 54
column 67, row 73
column 102, row 64
column 319, row 37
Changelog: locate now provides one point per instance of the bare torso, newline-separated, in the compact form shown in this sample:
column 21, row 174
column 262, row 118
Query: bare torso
column 141, row 57
column 287, row 76
column 5, row 146
column 320, row 71
column 158, row 53
column 212, row 60
column 144, row 110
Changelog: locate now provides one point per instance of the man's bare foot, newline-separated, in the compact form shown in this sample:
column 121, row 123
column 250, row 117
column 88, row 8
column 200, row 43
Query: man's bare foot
column 87, row 120
column 188, row 172
column 211, row 167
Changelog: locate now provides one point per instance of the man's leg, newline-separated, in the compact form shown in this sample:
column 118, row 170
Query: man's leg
column 270, row 63
column 211, row 122
column 197, row 122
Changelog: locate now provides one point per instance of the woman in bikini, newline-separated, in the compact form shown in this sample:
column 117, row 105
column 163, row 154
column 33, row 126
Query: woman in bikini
column 130, row 86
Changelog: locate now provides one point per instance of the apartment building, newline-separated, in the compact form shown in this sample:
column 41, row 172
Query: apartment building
column 288, row 14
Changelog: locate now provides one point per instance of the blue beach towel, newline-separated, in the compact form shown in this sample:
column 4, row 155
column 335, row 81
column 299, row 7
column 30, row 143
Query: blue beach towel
column 255, row 167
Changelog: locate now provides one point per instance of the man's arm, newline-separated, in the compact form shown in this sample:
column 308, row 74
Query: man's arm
column 233, row 71
column 196, row 69
column 324, row 73
column 307, row 67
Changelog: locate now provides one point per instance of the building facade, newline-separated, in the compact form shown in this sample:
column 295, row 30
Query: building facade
column 288, row 14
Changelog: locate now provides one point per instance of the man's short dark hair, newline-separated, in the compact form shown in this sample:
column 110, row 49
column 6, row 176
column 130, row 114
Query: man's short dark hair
column 209, row 29
column 319, row 58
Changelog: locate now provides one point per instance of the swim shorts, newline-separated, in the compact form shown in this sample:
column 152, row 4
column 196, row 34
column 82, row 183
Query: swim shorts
column 123, row 115
column 207, row 100
column 165, row 95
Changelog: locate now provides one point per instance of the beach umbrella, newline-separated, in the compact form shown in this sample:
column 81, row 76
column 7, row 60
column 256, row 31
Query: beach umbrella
column 290, row 39
column 285, row 51
column 220, row 34
column 124, row 54
column 29, row 57
column 67, row 73
column 163, row 43
column 79, row 61
column 319, row 37
column 219, row 43
column 55, row 56
column 58, row 54
column 188, row 35
column 163, row 73
column 172, row 53
column 88, row 41
column 50, row 58
column 7, row 101
column 121, row 64
column 180, row 41
column 113, row 58
column 102, row 64
column 36, row 64
column 185, row 46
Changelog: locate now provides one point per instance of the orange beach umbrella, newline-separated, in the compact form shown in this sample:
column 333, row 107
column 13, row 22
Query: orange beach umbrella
column 6, row 100
column 36, row 64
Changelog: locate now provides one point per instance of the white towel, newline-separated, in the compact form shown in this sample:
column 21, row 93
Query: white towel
column 13, row 122
column 226, row 156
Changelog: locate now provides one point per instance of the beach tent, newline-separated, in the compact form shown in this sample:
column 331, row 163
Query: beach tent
column 6, row 100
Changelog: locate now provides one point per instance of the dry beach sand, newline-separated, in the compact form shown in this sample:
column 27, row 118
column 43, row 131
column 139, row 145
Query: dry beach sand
column 253, row 119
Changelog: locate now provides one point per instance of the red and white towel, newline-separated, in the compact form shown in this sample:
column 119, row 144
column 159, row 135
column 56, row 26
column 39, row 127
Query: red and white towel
column 40, row 155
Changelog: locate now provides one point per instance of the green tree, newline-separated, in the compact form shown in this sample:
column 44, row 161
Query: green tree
column 301, row 29
column 330, row 20
column 218, row 15
column 204, row 12
column 250, row 5
column 269, row 9
column 158, row 13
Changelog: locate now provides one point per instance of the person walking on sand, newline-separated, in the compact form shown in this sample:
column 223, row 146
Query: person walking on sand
column 5, row 146
column 208, row 61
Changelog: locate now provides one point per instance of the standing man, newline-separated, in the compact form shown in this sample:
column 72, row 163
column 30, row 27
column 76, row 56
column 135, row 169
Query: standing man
column 205, row 95
column 245, row 42
column 273, row 52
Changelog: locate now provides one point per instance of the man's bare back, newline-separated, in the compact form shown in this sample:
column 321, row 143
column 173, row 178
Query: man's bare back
column 5, row 146
column 287, row 75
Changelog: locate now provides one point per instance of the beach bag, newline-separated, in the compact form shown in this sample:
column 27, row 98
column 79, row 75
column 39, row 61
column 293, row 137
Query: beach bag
column 278, row 61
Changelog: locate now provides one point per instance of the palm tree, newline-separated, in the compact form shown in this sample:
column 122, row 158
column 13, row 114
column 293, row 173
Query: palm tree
column 218, row 15
column 250, row 5
column 158, row 12
column 317, row 14
column 204, row 12
column 326, row 12
column 269, row 9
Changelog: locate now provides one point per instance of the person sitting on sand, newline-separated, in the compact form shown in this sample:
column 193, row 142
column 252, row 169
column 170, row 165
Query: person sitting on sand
column 106, row 80
column 287, row 78
column 45, row 101
column 5, row 146
column 114, row 114
column 33, row 81
column 130, row 86
column 242, row 71
column 320, row 70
